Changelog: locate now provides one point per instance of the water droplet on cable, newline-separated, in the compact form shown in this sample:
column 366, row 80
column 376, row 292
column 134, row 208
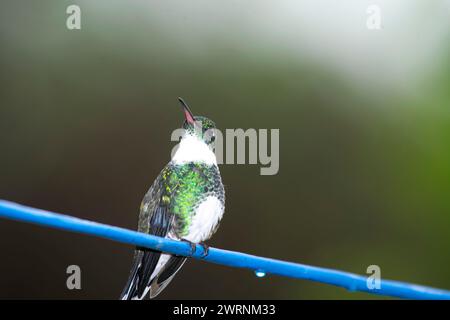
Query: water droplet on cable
column 260, row 273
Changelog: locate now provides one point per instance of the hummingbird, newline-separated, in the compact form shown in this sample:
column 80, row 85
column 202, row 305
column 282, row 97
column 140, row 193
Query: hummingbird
column 185, row 202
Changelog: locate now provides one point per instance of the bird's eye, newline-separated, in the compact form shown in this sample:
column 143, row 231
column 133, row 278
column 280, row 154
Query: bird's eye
column 213, row 138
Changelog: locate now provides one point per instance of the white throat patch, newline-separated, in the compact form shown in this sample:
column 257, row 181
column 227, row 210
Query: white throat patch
column 192, row 149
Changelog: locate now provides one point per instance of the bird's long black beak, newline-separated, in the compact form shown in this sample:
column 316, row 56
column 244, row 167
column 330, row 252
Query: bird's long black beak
column 187, row 112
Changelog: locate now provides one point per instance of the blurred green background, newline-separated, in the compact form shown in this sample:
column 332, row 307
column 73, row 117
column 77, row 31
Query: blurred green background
column 364, row 118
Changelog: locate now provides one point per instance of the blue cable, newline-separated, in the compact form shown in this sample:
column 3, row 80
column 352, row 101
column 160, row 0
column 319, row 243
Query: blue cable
column 260, row 265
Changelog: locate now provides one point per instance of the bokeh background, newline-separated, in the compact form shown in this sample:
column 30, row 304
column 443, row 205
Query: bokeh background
column 364, row 118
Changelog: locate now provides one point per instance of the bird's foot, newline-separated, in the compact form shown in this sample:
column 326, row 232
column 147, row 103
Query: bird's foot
column 193, row 246
column 205, row 248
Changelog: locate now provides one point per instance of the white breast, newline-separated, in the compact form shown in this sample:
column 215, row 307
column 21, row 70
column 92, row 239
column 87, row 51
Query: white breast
column 192, row 149
column 205, row 220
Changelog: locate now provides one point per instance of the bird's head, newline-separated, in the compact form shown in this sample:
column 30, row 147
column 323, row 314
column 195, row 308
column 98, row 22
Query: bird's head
column 198, row 126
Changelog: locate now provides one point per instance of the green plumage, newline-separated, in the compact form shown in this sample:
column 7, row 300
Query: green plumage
column 182, row 188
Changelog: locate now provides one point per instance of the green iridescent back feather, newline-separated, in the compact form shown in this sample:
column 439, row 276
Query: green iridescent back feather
column 182, row 188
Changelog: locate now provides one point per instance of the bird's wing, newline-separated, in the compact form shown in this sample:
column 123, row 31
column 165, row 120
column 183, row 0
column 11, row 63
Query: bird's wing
column 155, row 218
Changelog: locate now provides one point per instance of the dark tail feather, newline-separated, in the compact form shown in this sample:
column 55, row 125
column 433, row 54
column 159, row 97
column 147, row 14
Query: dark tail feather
column 161, row 280
column 144, row 263
column 131, row 282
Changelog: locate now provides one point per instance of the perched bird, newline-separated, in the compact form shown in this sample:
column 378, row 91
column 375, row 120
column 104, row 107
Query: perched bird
column 186, row 202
